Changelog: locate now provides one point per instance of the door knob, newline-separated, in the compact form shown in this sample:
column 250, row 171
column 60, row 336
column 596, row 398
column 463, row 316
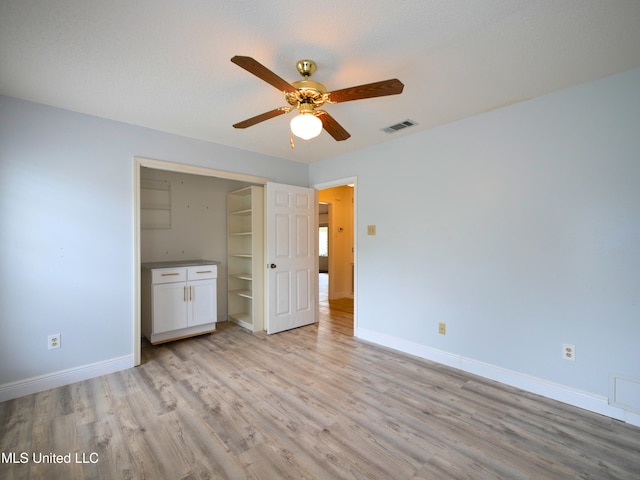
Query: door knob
column 273, row 265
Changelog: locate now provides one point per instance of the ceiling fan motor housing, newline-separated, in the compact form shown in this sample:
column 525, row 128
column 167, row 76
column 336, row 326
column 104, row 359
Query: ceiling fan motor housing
column 307, row 91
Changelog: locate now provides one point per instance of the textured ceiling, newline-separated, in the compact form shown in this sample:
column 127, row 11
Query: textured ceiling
column 164, row 64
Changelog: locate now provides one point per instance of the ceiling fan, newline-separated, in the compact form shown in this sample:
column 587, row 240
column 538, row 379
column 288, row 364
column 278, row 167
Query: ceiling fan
column 307, row 95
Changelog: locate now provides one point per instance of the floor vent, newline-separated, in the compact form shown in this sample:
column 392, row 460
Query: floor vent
column 399, row 126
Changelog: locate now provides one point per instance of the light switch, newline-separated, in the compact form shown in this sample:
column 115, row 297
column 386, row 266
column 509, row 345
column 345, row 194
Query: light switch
column 371, row 229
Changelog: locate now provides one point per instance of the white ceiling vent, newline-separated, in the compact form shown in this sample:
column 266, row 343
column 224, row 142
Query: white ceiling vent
column 399, row 126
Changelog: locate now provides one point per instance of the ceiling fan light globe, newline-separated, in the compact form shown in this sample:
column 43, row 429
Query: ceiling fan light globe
column 306, row 126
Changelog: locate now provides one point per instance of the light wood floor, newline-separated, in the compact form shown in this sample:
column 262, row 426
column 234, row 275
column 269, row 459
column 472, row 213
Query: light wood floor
column 309, row 403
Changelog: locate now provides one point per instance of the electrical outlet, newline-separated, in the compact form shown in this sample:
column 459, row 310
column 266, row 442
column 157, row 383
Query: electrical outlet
column 442, row 328
column 54, row 341
column 569, row 352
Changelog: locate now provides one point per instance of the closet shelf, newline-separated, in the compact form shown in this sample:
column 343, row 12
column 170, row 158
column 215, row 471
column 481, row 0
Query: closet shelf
column 241, row 212
column 242, row 293
column 241, row 317
column 242, row 276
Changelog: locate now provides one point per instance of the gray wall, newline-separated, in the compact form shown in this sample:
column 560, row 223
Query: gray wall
column 66, row 241
column 519, row 228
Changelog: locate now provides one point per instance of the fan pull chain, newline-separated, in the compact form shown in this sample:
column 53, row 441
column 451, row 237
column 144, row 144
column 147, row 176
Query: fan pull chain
column 293, row 145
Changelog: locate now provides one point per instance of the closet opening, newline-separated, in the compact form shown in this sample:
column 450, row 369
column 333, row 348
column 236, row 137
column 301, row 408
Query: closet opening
column 162, row 226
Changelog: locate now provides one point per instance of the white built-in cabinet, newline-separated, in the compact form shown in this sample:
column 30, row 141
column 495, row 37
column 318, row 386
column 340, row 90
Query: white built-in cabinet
column 245, row 246
column 178, row 300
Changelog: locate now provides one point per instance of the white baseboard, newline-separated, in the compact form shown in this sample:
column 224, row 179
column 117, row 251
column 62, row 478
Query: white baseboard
column 41, row 383
column 571, row 396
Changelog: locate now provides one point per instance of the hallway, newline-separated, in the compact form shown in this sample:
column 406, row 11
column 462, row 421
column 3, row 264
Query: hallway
column 335, row 315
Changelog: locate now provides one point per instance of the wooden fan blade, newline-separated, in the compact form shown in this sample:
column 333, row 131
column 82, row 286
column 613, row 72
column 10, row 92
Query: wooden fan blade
column 332, row 127
column 262, row 117
column 263, row 73
column 370, row 90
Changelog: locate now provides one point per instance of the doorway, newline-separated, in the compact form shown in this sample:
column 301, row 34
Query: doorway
column 337, row 239
column 140, row 163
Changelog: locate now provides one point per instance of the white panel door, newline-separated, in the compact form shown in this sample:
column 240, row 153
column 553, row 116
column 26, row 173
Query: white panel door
column 292, row 258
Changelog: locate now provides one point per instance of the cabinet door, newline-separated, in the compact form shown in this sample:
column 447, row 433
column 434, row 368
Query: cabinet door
column 202, row 302
column 169, row 307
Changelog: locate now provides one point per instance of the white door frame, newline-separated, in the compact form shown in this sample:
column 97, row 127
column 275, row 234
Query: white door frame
column 139, row 162
column 339, row 183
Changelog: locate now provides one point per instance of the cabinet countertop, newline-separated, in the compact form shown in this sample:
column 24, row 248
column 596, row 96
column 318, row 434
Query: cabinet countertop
column 178, row 263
